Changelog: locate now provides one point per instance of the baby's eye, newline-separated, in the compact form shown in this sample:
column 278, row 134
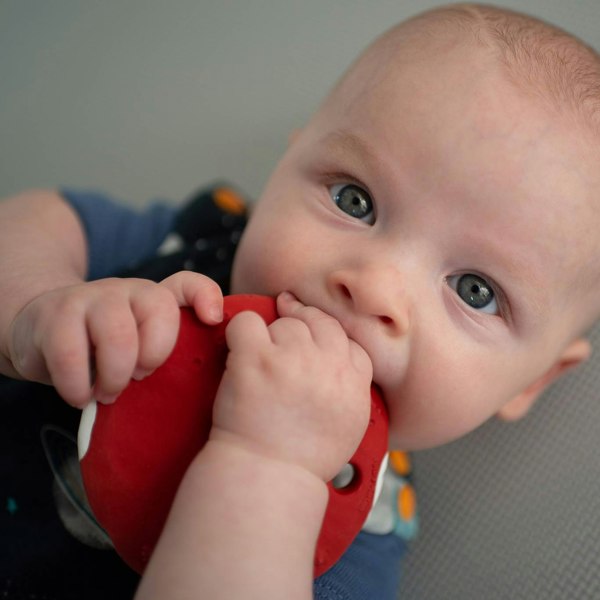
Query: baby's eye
column 475, row 291
column 354, row 201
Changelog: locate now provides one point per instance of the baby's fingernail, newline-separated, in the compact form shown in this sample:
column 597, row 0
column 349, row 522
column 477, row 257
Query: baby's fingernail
column 105, row 398
column 287, row 296
column 216, row 313
column 140, row 374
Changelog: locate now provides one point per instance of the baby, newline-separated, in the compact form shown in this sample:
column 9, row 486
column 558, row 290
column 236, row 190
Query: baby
column 432, row 228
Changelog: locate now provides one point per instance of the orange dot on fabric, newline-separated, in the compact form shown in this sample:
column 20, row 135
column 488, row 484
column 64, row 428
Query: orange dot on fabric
column 400, row 462
column 407, row 503
column 229, row 201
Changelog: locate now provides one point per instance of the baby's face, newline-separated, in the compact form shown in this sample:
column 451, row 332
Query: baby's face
column 438, row 216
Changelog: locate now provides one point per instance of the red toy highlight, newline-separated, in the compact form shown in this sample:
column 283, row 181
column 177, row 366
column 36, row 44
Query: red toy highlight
column 140, row 447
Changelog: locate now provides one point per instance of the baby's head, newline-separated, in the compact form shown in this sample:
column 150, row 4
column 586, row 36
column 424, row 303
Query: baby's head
column 443, row 205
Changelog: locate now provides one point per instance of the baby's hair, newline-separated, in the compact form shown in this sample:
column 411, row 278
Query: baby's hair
column 539, row 57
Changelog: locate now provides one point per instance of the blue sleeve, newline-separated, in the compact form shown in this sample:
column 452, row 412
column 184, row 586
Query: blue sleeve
column 370, row 568
column 118, row 237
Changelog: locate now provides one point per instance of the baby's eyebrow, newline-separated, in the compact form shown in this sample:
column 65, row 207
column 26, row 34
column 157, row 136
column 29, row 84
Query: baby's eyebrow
column 349, row 143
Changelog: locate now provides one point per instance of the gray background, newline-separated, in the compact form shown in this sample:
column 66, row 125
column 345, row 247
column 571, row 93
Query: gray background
column 149, row 99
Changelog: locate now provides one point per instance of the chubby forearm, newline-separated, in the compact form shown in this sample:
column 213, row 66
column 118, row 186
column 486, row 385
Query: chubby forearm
column 242, row 526
column 42, row 247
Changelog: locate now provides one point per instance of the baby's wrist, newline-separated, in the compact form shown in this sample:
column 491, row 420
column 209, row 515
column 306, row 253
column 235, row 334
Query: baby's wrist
column 268, row 453
column 234, row 455
column 21, row 298
column 285, row 485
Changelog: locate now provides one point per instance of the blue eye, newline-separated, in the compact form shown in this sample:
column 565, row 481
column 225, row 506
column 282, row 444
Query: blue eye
column 354, row 201
column 475, row 291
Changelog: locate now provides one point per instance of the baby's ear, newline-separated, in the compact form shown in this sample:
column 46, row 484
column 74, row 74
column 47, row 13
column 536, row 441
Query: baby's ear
column 574, row 354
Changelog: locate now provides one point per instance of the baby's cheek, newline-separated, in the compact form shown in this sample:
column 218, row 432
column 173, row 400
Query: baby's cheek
column 419, row 405
column 247, row 279
column 259, row 265
column 440, row 400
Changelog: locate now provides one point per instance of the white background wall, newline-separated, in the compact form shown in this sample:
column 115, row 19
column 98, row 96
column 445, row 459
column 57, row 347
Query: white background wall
column 147, row 98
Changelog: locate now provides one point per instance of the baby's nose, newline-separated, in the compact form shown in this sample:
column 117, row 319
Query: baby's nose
column 374, row 292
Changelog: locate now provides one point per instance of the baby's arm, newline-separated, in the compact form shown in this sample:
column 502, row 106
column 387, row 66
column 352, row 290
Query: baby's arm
column 56, row 328
column 291, row 409
column 42, row 247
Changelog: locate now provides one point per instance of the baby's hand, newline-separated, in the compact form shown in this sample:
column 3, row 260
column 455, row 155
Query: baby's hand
column 295, row 391
column 91, row 339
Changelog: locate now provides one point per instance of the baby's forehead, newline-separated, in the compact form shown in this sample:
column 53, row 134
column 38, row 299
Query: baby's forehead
column 545, row 62
column 563, row 249
column 551, row 71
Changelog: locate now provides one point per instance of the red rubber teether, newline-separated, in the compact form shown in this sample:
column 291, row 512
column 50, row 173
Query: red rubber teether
column 140, row 447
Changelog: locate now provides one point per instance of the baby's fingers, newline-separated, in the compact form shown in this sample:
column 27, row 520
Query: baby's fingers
column 360, row 359
column 324, row 329
column 245, row 331
column 67, row 353
column 198, row 291
column 115, row 343
column 157, row 316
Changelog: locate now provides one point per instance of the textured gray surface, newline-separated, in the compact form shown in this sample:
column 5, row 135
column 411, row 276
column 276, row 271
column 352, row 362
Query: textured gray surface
column 513, row 510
